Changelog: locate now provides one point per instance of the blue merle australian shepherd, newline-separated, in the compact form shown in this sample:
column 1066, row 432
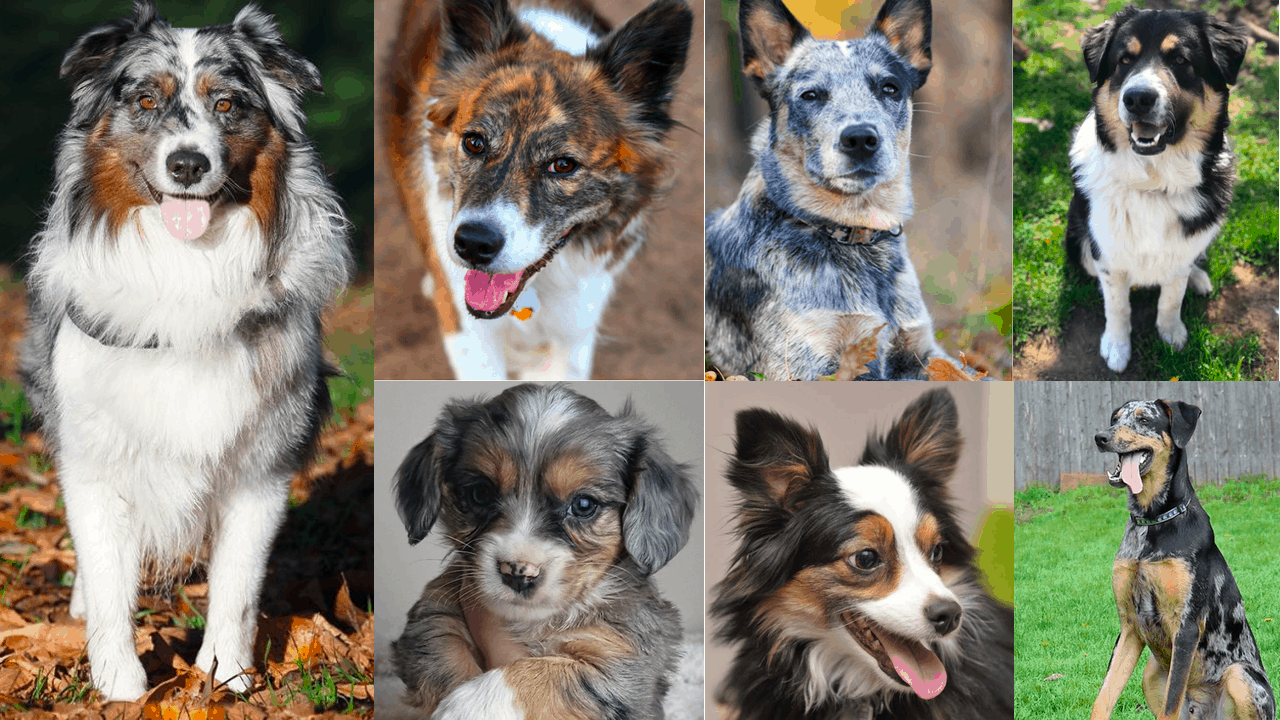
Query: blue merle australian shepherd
column 173, row 349
column 810, row 258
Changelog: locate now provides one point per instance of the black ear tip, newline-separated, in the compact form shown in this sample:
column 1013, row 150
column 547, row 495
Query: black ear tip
column 414, row 539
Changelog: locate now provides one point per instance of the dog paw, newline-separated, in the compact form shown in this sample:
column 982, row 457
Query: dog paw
column 77, row 600
column 1115, row 352
column 487, row 696
column 122, row 680
column 230, row 672
column 1199, row 281
column 1175, row 333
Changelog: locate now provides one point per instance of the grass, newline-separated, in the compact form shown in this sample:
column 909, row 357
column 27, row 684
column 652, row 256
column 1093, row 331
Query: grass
column 1052, row 85
column 1065, row 616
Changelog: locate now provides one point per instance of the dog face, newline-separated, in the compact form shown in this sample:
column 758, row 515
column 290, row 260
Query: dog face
column 543, row 493
column 1144, row 434
column 539, row 145
column 186, row 118
column 1161, row 77
column 841, row 110
column 863, row 565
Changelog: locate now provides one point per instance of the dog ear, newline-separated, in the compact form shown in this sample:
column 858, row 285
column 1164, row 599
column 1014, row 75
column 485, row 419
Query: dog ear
column 417, row 489
column 774, row 458
column 92, row 53
column 645, row 56
column 286, row 75
column 927, row 436
column 1227, row 46
column 908, row 26
column 476, row 27
column 1096, row 44
column 1182, row 420
column 768, row 31
column 660, row 503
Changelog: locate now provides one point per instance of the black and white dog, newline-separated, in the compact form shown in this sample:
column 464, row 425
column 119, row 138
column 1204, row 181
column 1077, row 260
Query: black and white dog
column 1152, row 167
column 173, row 352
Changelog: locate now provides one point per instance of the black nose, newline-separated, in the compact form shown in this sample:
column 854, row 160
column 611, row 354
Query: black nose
column 944, row 614
column 187, row 167
column 860, row 141
column 477, row 243
column 519, row 576
column 1140, row 100
column 1102, row 439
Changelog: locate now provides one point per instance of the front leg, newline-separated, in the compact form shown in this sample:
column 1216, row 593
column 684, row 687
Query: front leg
column 1115, row 298
column 1123, row 660
column 436, row 653
column 1169, row 312
column 1184, row 649
column 571, row 319
column 475, row 351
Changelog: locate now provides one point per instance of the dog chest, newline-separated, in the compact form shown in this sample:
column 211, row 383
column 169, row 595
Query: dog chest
column 1153, row 594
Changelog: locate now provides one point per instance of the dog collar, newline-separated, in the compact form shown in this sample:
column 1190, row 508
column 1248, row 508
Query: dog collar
column 1162, row 518
column 846, row 235
column 98, row 331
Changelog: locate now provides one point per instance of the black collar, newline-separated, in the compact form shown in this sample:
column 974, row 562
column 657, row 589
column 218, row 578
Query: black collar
column 1160, row 518
column 851, row 235
column 100, row 332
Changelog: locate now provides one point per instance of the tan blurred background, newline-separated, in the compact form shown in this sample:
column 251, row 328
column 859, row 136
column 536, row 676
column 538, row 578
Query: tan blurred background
column 961, row 236
column 844, row 414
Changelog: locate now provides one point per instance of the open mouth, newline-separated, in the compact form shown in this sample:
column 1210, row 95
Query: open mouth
column 1146, row 139
column 907, row 661
column 1129, row 469
column 492, row 296
column 186, row 217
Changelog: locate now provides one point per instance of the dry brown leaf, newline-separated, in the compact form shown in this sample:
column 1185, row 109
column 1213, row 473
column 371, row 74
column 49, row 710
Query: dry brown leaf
column 941, row 369
column 853, row 362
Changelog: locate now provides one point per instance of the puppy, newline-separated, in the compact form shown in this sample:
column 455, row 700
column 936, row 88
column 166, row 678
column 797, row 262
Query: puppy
column 527, row 142
column 853, row 592
column 1152, row 167
column 557, row 513
column 173, row 352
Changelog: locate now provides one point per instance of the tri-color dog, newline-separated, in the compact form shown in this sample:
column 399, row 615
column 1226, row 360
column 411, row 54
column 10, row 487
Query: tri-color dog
column 1173, row 589
column 810, row 258
column 527, row 142
column 1152, row 167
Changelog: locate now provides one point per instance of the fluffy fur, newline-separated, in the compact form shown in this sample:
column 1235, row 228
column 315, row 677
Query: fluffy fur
column 835, row 566
column 1152, row 167
column 557, row 513
column 527, row 142
column 810, row 258
column 180, row 382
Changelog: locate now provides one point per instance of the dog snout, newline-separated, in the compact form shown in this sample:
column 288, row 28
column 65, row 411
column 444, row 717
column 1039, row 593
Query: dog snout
column 519, row 576
column 944, row 614
column 1140, row 100
column 187, row 167
column 1102, row 439
column 477, row 243
column 860, row 141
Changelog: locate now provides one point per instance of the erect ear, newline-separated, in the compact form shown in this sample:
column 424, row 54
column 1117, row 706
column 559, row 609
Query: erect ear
column 417, row 489
column 1182, row 420
column 1096, row 44
column 908, row 26
column 768, row 31
column 1227, row 46
column 661, row 499
column 287, row 75
column 92, row 53
column 473, row 28
column 927, row 436
column 774, row 458
column 645, row 56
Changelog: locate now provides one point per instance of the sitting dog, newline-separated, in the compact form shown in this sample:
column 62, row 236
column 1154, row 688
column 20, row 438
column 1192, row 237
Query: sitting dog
column 810, row 258
column 1173, row 588
column 558, row 513
column 1152, row 168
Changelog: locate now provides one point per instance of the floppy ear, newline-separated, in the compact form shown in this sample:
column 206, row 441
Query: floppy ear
column 1096, row 44
column 927, row 436
column 417, row 489
column 1227, row 46
column 768, row 31
column 645, row 56
column 288, row 76
column 908, row 26
column 660, row 504
column 774, row 457
column 92, row 53
column 1182, row 420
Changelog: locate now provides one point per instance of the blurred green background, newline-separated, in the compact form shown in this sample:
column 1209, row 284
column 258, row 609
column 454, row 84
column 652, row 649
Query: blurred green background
column 336, row 36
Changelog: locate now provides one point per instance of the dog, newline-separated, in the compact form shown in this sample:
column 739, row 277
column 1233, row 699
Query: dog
column 173, row 349
column 1152, row 168
column 810, row 258
column 1174, row 591
column 853, row 592
column 557, row 514
column 527, row 142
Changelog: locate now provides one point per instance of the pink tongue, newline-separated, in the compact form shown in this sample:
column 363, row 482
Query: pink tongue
column 185, row 219
column 917, row 665
column 1129, row 465
column 486, row 292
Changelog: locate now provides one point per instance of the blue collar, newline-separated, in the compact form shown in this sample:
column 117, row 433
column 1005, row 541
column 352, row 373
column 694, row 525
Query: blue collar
column 1163, row 518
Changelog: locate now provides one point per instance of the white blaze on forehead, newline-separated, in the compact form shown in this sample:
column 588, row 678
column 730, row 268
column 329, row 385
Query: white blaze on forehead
column 883, row 491
column 200, row 136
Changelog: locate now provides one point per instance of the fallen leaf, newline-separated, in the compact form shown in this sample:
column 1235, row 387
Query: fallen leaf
column 853, row 362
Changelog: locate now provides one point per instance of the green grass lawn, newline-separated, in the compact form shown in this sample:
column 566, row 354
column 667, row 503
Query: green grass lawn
column 1065, row 617
column 1052, row 84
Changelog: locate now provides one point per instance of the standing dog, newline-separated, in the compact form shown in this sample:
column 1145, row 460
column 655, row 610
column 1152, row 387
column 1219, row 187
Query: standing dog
column 853, row 593
column 527, row 142
column 173, row 352
column 811, row 258
column 1153, row 171
column 557, row 513
column 1173, row 588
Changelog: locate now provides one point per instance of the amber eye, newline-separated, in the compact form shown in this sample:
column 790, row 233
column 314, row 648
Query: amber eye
column 1180, row 60
column 222, row 105
column 1124, row 59
column 562, row 166
column 146, row 102
column 473, row 144
column 866, row 559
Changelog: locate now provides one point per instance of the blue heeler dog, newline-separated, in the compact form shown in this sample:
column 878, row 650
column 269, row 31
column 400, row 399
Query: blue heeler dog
column 811, row 257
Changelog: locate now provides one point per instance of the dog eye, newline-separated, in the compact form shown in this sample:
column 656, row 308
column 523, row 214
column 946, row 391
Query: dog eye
column 223, row 105
column 1124, row 59
column 146, row 102
column 935, row 556
column 562, row 166
column 866, row 559
column 473, row 144
column 1180, row 60
column 583, row 506
column 810, row 95
column 479, row 495
column 889, row 89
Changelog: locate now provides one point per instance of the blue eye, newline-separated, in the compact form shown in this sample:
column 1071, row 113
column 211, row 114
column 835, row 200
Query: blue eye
column 583, row 506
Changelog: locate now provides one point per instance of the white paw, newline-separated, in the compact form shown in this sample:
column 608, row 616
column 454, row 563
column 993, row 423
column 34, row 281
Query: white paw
column 77, row 599
column 1115, row 351
column 1199, row 281
column 487, row 697
column 1175, row 334
column 236, row 673
column 121, row 679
